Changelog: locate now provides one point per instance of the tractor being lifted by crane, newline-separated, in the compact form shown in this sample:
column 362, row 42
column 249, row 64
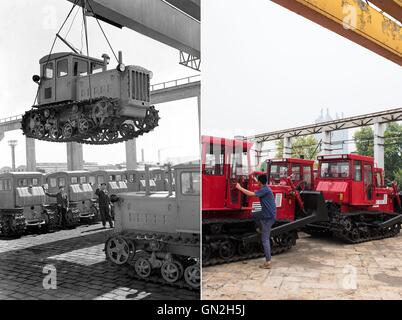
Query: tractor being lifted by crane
column 79, row 100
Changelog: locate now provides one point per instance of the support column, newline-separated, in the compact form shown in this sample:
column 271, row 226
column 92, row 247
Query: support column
column 1, row 135
column 258, row 151
column 131, row 154
column 75, row 157
column 287, row 147
column 326, row 147
column 379, row 131
column 30, row 152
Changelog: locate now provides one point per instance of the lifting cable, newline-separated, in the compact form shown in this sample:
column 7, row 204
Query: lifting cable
column 51, row 49
column 104, row 34
column 84, row 26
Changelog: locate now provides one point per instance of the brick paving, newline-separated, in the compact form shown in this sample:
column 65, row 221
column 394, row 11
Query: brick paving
column 81, row 269
column 316, row 268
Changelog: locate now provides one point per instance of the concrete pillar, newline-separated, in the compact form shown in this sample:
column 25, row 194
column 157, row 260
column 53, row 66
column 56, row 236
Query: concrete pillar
column 13, row 158
column 258, row 151
column 287, row 147
column 379, row 130
column 1, row 135
column 326, row 147
column 131, row 154
column 30, row 153
column 75, row 157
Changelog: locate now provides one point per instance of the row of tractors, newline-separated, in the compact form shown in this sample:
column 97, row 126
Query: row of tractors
column 25, row 207
column 342, row 196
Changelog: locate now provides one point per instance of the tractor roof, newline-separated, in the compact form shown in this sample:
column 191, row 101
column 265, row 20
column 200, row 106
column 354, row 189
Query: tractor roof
column 59, row 55
column 350, row 156
column 293, row 160
column 226, row 142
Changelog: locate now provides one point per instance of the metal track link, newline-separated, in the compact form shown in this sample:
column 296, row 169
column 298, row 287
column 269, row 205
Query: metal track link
column 97, row 135
column 156, row 277
column 275, row 249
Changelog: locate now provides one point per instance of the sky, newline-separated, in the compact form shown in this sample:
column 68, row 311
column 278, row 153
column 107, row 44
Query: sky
column 266, row 68
column 27, row 30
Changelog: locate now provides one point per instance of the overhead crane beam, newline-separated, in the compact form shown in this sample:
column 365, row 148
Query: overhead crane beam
column 392, row 7
column 156, row 19
column 354, row 20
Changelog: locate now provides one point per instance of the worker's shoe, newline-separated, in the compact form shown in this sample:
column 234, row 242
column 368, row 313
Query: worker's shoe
column 266, row 265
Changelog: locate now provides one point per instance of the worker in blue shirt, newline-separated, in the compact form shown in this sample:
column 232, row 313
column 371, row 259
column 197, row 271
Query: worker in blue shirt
column 265, row 217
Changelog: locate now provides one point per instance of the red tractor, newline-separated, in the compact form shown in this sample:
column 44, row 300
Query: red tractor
column 229, row 232
column 360, row 206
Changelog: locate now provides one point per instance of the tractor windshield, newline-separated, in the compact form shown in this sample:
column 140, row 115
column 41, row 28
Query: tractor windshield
column 335, row 169
column 279, row 171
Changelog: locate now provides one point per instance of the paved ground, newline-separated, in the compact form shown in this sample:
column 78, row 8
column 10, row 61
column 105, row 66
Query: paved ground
column 81, row 269
column 314, row 269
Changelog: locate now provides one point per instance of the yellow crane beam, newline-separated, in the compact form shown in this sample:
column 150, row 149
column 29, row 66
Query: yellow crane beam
column 354, row 20
column 392, row 7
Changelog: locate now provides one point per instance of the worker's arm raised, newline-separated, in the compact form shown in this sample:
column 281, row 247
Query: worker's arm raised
column 245, row 191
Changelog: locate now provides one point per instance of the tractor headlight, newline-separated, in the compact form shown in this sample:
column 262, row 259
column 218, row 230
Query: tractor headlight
column 121, row 67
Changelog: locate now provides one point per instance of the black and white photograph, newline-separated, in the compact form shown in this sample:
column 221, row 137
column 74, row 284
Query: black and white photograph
column 99, row 159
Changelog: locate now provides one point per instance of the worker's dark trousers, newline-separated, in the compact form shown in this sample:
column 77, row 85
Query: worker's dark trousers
column 105, row 215
column 265, row 225
column 62, row 216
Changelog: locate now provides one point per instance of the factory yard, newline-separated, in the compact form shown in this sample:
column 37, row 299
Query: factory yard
column 82, row 272
column 316, row 268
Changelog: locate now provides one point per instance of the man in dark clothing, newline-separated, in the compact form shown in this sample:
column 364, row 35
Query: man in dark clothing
column 265, row 217
column 62, row 204
column 104, row 205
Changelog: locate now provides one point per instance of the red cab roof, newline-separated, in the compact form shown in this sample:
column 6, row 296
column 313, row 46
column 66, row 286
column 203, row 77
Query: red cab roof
column 226, row 142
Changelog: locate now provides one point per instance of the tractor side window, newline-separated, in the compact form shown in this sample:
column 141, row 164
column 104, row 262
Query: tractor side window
column 74, row 180
column 48, row 71
column 96, row 67
column 92, row 180
column 34, row 182
column 378, row 179
column 118, row 177
column 239, row 164
column 53, row 182
column 62, row 68
column 279, row 171
column 214, row 160
column 368, row 180
column 190, row 183
column 5, row 185
column 101, row 179
column 62, row 182
column 307, row 176
column 83, row 180
column 80, row 68
column 357, row 169
column 335, row 169
column 296, row 172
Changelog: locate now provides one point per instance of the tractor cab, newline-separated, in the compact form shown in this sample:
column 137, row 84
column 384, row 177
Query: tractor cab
column 225, row 162
column 59, row 74
column 347, row 180
column 300, row 171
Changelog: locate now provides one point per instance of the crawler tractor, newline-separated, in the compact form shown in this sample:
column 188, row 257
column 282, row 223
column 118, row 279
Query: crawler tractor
column 229, row 232
column 157, row 234
column 22, row 204
column 360, row 206
column 79, row 100
column 83, row 206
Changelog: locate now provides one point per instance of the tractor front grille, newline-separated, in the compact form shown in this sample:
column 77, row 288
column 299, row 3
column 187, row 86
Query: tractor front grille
column 140, row 86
